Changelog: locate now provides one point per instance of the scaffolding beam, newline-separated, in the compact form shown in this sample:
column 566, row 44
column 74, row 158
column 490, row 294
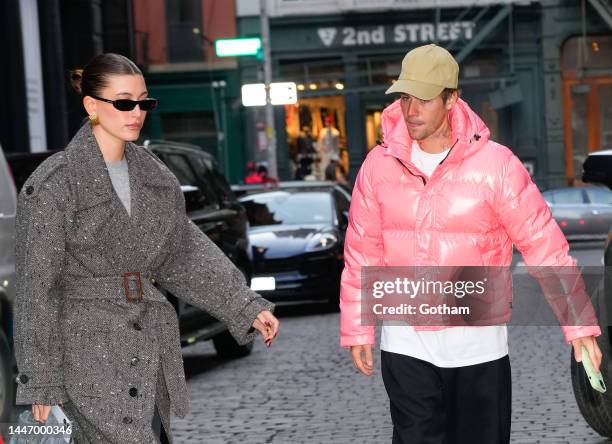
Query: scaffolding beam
column 483, row 33
column 604, row 9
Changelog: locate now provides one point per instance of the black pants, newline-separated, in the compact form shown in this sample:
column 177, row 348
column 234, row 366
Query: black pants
column 435, row 405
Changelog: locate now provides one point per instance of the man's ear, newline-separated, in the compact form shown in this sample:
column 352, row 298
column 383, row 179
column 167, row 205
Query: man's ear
column 452, row 99
column 90, row 105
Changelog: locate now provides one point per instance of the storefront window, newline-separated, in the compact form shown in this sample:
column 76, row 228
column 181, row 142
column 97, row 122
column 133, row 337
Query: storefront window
column 592, row 52
column 379, row 70
column 313, row 75
column 184, row 30
column 587, row 86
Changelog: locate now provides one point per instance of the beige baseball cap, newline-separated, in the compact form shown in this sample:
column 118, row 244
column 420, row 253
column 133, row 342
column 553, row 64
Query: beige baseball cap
column 426, row 71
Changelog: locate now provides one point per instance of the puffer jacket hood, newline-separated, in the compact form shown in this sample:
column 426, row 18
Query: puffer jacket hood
column 478, row 202
column 468, row 131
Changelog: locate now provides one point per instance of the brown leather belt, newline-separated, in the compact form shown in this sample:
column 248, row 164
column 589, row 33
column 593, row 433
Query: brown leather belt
column 134, row 286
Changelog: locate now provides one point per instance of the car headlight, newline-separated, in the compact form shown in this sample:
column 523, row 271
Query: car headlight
column 322, row 241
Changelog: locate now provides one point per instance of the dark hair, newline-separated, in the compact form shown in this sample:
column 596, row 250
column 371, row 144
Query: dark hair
column 447, row 92
column 94, row 76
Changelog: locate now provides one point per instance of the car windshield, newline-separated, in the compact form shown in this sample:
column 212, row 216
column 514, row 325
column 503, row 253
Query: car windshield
column 288, row 208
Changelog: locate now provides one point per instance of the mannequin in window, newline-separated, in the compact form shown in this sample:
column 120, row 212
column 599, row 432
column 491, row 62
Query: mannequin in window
column 328, row 145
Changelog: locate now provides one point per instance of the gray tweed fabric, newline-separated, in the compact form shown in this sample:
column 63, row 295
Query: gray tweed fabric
column 79, row 340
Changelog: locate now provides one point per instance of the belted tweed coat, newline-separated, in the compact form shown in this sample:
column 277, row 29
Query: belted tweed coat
column 82, row 336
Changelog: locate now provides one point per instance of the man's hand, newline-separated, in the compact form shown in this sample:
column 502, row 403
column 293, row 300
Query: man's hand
column 362, row 358
column 41, row 412
column 590, row 344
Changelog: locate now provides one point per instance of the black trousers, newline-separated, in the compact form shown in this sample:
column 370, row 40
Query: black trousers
column 435, row 405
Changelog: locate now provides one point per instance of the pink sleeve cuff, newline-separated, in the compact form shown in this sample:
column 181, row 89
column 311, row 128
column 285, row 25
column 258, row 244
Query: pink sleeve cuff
column 572, row 333
column 348, row 341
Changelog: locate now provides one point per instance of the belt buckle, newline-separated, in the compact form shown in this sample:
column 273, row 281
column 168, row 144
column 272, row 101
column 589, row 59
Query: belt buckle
column 132, row 282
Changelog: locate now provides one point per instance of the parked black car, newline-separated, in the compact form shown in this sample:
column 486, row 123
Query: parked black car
column 594, row 406
column 213, row 207
column 21, row 165
column 296, row 232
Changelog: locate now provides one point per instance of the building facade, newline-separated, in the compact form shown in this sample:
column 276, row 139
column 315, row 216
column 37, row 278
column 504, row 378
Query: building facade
column 198, row 92
column 172, row 42
column 537, row 72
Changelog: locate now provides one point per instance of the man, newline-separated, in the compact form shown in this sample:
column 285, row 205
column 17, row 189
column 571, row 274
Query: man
column 438, row 192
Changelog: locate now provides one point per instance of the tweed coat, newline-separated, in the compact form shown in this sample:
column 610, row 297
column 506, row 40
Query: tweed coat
column 83, row 337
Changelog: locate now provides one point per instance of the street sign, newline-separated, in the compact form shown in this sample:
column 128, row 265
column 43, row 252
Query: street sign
column 238, row 47
column 283, row 93
column 254, row 94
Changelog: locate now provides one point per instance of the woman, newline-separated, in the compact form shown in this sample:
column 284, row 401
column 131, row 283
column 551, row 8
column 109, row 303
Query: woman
column 97, row 226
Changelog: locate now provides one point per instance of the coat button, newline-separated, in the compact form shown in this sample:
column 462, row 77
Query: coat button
column 137, row 326
column 133, row 392
column 134, row 360
column 127, row 420
column 24, row 379
column 29, row 189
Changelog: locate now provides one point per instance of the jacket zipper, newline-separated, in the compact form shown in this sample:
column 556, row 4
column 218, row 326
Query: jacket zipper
column 415, row 175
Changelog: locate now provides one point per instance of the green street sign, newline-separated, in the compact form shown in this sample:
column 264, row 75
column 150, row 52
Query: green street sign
column 239, row 47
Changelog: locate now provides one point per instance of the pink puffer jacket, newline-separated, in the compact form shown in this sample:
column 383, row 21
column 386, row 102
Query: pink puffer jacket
column 478, row 202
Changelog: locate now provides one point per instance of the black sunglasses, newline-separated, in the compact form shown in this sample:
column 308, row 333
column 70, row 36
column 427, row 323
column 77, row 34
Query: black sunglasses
column 129, row 105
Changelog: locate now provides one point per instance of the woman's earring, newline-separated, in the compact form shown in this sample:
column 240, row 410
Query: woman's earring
column 93, row 119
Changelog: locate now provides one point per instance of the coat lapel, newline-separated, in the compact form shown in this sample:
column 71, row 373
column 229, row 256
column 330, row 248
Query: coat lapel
column 121, row 238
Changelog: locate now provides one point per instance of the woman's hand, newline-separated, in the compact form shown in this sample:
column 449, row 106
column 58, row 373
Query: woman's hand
column 268, row 325
column 41, row 412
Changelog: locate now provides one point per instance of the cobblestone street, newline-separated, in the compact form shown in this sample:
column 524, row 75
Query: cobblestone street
column 304, row 389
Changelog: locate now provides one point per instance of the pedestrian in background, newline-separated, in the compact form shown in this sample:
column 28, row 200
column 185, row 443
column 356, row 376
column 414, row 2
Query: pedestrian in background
column 99, row 225
column 439, row 192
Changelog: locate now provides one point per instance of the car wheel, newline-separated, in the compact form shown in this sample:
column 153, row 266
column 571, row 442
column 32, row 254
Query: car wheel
column 7, row 380
column 227, row 347
column 595, row 407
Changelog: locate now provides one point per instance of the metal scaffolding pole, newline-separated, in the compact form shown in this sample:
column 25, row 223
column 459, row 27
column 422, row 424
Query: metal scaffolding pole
column 267, row 65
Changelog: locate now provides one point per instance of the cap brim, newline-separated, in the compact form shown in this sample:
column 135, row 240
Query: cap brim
column 420, row 90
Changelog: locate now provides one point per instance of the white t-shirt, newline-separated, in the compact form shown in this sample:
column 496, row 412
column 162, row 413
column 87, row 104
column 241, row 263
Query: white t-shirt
column 453, row 346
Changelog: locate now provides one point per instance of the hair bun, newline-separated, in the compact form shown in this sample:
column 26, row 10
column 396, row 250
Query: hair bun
column 76, row 77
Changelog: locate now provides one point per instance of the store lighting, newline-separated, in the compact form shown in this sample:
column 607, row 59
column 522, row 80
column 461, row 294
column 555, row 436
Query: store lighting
column 339, row 86
column 595, row 46
column 313, row 86
column 301, row 87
